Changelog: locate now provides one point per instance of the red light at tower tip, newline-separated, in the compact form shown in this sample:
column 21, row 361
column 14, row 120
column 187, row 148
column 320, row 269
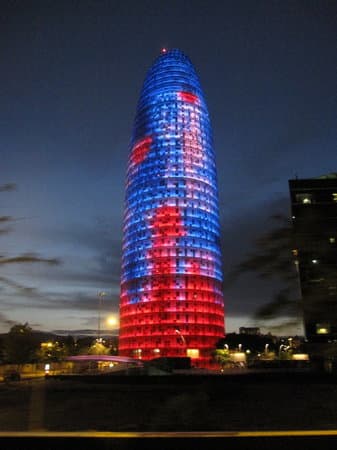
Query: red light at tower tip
column 164, row 50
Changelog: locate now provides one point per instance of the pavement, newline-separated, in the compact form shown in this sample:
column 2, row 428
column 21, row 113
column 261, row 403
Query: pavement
column 240, row 440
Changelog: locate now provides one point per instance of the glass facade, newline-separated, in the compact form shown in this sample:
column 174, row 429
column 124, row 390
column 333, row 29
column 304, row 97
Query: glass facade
column 171, row 288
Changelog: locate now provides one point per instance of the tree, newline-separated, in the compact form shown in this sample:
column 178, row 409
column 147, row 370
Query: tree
column 52, row 351
column 83, row 344
column 256, row 343
column 20, row 345
column 222, row 356
column 98, row 348
column 273, row 259
column 69, row 344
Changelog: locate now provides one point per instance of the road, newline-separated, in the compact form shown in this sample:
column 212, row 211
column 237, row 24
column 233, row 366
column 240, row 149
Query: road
column 252, row 440
column 229, row 404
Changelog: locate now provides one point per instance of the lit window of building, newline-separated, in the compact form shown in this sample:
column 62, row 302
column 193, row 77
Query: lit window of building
column 305, row 199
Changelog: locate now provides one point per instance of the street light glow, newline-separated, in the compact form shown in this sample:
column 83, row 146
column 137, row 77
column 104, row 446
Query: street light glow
column 112, row 321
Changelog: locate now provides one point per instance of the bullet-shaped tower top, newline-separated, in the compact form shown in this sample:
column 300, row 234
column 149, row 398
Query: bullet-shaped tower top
column 172, row 71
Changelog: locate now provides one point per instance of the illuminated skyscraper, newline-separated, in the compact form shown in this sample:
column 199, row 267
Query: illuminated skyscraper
column 171, row 288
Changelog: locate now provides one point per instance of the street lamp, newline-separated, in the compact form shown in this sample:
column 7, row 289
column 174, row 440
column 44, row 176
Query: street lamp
column 112, row 321
column 101, row 294
column 113, row 324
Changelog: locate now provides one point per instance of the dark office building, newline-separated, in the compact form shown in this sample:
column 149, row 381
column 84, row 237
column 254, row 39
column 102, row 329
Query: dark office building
column 314, row 218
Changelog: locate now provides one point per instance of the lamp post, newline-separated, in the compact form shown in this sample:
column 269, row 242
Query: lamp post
column 282, row 349
column 177, row 331
column 101, row 294
column 113, row 324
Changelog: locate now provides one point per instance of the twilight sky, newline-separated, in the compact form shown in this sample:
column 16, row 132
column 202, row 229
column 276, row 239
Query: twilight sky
column 70, row 76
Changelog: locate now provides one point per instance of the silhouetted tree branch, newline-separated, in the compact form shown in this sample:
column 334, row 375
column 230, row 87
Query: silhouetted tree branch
column 273, row 259
column 282, row 303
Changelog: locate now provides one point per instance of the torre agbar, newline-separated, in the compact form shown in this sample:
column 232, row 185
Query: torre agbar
column 171, row 289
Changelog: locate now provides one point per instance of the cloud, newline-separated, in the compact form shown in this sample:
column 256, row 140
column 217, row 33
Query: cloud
column 18, row 287
column 86, row 277
column 85, row 332
column 240, row 232
column 93, row 254
column 4, row 320
column 7, row 187
column 248, row 293
column 97, row 236
column 73, row 286
column 75, row 301
column 91, row 260
column 28, row 258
